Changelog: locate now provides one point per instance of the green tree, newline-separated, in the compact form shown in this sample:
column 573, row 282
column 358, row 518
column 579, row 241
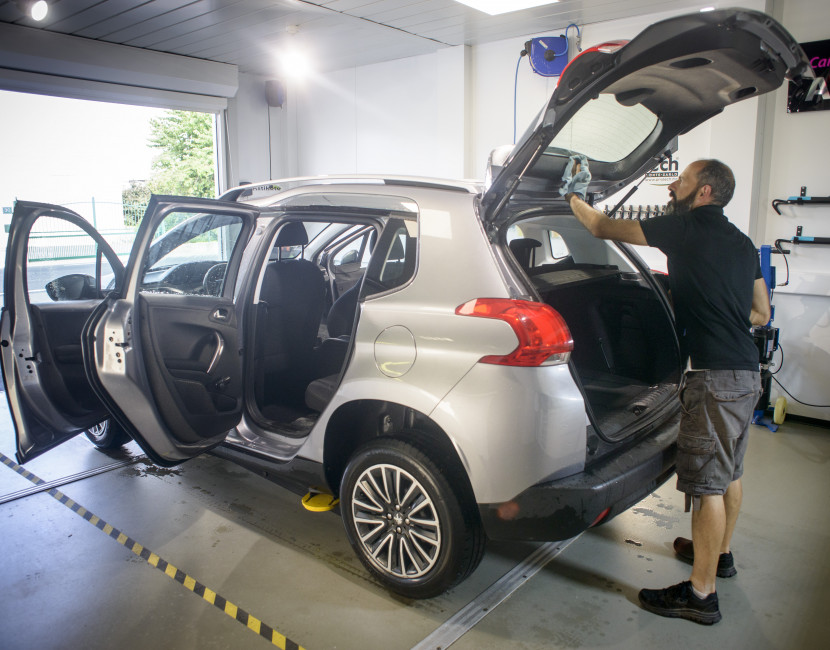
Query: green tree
column 134, row 200
column 185, row 163
column 183, row 166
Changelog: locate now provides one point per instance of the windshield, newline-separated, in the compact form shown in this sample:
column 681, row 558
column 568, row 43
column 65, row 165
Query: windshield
column 605, row 130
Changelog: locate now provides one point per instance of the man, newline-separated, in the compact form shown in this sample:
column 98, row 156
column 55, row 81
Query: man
column 718, row 293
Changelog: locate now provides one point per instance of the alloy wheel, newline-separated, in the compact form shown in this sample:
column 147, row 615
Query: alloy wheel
column 396, row 521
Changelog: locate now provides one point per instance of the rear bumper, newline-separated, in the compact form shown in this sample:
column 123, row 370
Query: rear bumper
column 563, row 508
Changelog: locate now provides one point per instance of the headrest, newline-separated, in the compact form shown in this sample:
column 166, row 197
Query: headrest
column 524, row 251
column 524, row 244
column 292, row 234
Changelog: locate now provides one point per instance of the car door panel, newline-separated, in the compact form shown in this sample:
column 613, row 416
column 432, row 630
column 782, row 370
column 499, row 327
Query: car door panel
column 192, row 358
column 57, row 334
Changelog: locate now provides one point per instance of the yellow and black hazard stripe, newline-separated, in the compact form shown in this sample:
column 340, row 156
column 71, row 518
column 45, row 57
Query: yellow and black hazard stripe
column 249, row 621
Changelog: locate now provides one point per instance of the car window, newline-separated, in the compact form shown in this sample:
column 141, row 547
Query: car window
column 63, row 262
column 555, row 250
column 189, row 254
column 566, row 235
column 394, row 259
column 558, row 247
column 354, row 254
column 606, row 130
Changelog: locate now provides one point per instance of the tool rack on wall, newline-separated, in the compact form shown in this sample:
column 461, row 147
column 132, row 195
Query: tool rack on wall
column 638, row 212
column 803, row 199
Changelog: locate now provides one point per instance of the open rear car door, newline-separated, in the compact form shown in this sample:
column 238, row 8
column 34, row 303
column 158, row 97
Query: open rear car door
column 163, row 352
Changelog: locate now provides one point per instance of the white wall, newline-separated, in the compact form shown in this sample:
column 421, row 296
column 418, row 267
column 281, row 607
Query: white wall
column 247, row 123
column 796, row 154
column 401, row 117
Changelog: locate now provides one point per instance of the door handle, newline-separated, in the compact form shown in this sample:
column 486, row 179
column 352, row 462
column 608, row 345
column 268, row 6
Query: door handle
column 220, row 347
column 220, row 314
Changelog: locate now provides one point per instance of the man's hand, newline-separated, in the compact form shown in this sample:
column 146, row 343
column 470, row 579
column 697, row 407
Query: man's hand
column 576, row 177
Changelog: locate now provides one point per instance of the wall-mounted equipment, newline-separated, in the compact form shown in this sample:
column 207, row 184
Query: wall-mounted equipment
column 802, row 199
column 548, row 55
column 275, row 93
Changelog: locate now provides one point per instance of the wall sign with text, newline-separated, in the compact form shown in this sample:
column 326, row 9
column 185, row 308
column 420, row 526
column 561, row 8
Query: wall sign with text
column 812, row 94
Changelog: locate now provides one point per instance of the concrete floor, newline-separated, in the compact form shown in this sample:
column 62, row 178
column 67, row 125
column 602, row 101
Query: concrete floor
column 66, row 584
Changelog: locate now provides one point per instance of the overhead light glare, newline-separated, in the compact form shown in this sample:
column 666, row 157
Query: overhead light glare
column 705, row 9
column 40, row 9
column 295, row 64
column 37, row 9
column 496, row 7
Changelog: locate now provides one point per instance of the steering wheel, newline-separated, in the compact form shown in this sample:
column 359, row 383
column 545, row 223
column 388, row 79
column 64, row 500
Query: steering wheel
column 168, row 289
column 212, row 282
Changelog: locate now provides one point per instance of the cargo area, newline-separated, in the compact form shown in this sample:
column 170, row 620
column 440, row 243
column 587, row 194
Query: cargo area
column 625, row 355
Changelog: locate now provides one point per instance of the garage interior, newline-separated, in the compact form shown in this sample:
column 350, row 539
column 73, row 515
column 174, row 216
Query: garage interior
column 109, row 550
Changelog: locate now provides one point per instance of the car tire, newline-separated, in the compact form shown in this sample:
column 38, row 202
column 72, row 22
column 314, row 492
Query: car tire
column 421, row 556
column 107, row 435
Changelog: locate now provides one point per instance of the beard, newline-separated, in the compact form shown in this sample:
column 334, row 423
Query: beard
column 675, row 206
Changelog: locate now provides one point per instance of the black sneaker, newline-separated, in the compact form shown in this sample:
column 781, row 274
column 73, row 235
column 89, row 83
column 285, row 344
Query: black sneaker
column 686, row 551
column 680, row 601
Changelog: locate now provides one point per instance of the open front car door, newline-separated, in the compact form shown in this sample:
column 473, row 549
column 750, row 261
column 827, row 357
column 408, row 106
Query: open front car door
column 58, row 270
column 163, row 351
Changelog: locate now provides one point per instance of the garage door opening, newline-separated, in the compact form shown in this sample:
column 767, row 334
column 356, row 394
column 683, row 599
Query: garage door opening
column 101, row 160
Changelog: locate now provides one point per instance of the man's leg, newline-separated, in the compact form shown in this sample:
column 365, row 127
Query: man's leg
column 708, row 529
column 732, row 503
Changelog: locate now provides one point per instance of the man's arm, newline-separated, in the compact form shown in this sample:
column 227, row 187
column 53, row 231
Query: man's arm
column 599, row 225
column 760, row 313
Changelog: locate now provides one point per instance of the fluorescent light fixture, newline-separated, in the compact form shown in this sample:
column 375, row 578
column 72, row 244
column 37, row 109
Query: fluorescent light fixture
column 496, row 7
column 705, row 9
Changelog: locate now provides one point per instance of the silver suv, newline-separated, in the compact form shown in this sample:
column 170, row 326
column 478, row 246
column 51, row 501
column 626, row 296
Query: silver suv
column 454, row 361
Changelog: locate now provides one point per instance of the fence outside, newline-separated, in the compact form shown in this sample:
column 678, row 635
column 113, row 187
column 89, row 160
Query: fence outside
column 116, row 222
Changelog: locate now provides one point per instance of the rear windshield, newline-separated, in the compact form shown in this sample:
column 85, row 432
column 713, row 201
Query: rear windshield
column 605, row 130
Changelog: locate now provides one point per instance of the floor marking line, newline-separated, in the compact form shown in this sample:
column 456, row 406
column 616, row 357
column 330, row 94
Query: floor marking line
column 42, row 486
column 250, row 622
column 468, row 616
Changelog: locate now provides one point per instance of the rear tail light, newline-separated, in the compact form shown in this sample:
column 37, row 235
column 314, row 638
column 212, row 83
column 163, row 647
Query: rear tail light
column 544, row 337
column 611, row 46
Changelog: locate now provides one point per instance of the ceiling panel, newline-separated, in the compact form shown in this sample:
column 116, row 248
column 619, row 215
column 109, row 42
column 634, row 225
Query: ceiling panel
column 340, row 33
column 193, row 18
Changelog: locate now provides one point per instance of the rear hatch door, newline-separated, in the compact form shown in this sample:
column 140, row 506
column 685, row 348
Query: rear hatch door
column 622, row 104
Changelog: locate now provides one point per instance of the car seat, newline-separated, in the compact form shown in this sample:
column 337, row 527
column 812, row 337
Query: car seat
column 292, row 299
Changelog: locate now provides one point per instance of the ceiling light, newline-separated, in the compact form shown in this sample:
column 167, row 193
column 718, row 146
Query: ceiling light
column 37, row 9
column 295, row 64
column 705, row 9
column 496, row 7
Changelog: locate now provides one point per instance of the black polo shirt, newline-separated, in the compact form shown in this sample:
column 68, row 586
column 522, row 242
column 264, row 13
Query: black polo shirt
column 712, row 271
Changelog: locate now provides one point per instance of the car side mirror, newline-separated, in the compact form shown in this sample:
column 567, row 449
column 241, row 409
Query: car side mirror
column 352, row 257
column 74, row 286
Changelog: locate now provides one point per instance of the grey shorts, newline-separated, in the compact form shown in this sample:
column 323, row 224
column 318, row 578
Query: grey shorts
column 714, row 429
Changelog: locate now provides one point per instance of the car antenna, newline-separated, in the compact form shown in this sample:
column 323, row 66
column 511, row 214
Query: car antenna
column 665, row 156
